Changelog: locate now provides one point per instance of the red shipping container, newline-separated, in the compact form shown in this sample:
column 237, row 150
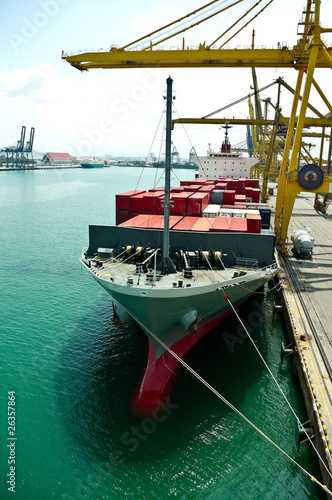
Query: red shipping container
column 186, row 182
column 122, row 200
column 198, row 182
column 197, row 202
column 254, row 223
column 227, row 206
column 233, row 184
column 255, row 183
column 150, row 201
column 152, row 221
column 136, row 203
column 203, row 224
column 134, row 221
column 121, row 216
column 241, row 206
column 207, row 190
column 249, row 183
column 221, row 185
column 241, row 183
column 240, row 198
column 229, row 197
column 238, row 225
column 220, row 224
column 255, row 195
column 191, row 188
column 173, row 220
column 179, row 203
column 185, row 224
column 160, row 205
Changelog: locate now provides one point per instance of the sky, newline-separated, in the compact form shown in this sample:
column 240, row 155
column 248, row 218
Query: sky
column 117, row 112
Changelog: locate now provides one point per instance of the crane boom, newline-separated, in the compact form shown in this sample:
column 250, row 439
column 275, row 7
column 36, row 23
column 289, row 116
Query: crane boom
column 202, row 57
column 308, row 54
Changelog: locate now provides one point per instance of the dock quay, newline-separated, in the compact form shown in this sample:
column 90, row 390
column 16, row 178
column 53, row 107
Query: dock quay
column 307, row 310
column 39, row 167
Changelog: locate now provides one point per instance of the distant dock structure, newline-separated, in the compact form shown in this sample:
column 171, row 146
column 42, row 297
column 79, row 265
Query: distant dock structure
column 18, row 155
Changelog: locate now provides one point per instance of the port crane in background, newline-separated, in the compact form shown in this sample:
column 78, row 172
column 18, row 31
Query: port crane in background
column 309, row 53
column 16, row 151
column 18, row 155
column 29, row 146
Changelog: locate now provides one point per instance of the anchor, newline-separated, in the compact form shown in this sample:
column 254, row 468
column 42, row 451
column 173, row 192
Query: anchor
column 116, row 320
column 193, row 329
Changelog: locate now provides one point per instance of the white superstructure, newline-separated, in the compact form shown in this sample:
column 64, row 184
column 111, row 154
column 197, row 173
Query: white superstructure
column 225, row 163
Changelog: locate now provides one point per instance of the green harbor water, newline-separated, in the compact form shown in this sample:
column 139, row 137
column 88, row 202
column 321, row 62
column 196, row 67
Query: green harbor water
column 73, row 372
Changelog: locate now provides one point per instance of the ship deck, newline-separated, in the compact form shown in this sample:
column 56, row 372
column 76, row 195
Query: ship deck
column 124, row 274
column 307, row 293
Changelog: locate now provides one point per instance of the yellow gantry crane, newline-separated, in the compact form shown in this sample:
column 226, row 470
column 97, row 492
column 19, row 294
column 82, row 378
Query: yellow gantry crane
column 309, row 53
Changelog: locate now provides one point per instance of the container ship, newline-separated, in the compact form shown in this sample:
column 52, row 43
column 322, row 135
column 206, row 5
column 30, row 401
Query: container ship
column 92, row 163
column 179, row 259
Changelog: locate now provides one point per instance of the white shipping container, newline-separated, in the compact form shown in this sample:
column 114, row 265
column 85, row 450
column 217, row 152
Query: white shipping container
column 211, row 211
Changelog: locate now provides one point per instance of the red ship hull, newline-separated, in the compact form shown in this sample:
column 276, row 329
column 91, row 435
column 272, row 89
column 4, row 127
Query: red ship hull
column 160, row 374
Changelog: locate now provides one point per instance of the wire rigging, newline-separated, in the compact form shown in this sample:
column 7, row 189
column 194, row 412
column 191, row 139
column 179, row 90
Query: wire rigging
column 275, row 381
column 170, row 24
column 224, row 400
column 241, row 99
column 234, row 24
column 183, row 26
column 254, row 17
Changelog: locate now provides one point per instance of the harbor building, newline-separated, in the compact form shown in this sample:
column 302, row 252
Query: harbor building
column 53, row 159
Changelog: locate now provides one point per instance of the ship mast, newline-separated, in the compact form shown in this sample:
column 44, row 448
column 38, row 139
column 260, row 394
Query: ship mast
column 167, row 266
column 226, row 142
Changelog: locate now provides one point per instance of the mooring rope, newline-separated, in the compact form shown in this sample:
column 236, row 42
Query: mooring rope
column 224, row 400
column 275, row 381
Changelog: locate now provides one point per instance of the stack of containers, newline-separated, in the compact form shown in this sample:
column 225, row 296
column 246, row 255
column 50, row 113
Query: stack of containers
column 150, row 201
column 197, row 202
column 196, row 199
column 122, row 205
column 217, row 197
column 229, row 197
column 179, row 203
column 254, row 221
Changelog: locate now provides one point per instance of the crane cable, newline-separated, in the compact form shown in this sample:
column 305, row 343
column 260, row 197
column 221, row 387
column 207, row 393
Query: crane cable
column 170, row 24
column 224, row 400
column 183, row 25
column 240, row 19
column 241, row 99
column 238, row 31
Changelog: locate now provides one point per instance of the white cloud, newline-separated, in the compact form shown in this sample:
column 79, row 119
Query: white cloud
column 26, row 86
